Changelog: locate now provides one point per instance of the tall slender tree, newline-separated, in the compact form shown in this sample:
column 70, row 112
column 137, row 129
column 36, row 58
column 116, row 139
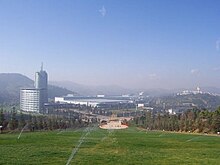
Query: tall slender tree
column 216, row 120
column 21, row 122
column 2, row 117
column 13, row 123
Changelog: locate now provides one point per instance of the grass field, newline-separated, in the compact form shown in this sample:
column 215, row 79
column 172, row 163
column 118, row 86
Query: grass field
column 96, row 146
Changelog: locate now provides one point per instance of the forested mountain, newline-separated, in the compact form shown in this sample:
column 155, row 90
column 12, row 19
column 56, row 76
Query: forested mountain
column 10, row 84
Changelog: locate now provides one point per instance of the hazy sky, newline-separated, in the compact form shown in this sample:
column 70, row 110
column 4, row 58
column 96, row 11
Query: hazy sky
column 131, row 43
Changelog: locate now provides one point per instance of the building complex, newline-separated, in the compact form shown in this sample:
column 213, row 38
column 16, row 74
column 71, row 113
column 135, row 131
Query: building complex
column 97, row 101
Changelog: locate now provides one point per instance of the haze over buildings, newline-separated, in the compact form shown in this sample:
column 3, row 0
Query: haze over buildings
column 133, row 44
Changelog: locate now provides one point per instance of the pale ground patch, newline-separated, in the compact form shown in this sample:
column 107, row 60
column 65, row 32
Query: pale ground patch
column 113, row 127
column 113, row 124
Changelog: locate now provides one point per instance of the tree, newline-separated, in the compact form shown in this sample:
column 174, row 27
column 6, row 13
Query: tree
column 204, row 121
column 30, row 124
column 2, row 120
column 21, row 122
column 50, row 124
column 182, row 122
column 13, row 123
column 2, row 117
column 216, row 120
column 40, row 122
column 34, row 123
column 44, row 123
column 148, row 123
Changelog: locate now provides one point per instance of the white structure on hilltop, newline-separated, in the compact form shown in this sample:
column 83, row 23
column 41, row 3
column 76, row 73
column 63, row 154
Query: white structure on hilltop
column 188, row 92
column 33, row 99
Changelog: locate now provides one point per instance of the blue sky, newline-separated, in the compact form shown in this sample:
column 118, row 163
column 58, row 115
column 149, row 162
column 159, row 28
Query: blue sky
column 130, row 43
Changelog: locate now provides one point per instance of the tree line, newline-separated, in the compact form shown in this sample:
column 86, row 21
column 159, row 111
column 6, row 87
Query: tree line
column 12, row 121
column 196, row 120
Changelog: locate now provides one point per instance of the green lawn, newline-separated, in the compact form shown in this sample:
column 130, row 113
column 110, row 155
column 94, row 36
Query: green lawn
column 97, row 146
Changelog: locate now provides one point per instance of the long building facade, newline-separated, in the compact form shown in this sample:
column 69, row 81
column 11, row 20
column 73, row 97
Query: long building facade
column 33, row 99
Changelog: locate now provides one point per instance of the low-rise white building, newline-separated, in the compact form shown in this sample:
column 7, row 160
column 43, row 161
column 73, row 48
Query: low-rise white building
column 30, row 100
column 90, row 101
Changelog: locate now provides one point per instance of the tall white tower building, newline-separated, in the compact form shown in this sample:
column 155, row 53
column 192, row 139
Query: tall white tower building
column 41, row 84
column 33, row 99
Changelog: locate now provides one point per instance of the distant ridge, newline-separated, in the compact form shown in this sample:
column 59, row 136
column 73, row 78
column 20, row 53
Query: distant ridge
column 118, row 90
column 93, row 90
column 10, row 84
